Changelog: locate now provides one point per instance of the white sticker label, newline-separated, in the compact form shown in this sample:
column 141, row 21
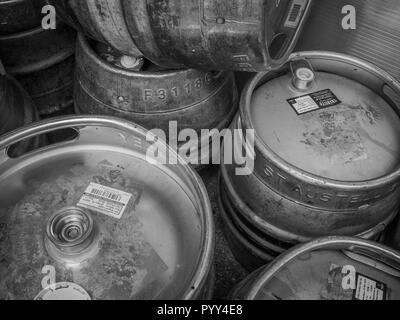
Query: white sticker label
column 295, row 13
column 305, row 104
column 63, row 291
column 109, row 201
column 368, row 289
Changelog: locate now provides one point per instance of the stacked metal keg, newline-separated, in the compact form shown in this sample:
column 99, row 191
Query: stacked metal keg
column 320, row 131
column 41, row 60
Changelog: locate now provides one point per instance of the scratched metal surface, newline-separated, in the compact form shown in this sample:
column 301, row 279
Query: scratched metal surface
column 376, row 38
column 228, row 272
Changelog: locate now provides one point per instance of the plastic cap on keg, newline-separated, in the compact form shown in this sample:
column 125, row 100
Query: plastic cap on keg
column 129, row 62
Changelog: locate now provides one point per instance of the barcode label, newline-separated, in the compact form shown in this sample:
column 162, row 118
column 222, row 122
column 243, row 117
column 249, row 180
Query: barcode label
column 109, row 201
column 106, row 194
column 295, row 13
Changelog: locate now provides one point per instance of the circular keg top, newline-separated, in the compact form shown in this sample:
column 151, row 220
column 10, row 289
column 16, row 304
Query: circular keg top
column 96, row 214
column 328, row 269
column 327, row 125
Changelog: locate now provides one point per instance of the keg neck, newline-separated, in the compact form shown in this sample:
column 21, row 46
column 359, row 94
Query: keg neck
column 71, row 235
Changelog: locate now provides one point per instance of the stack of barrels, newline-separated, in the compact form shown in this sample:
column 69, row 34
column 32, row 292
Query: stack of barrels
column 41, row 60
column 320, row 130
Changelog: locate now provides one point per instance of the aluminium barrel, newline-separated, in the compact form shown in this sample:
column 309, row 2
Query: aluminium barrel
column 326, row 153
column 43, row 61
column 151, row 97
column 237, row 35
column 332, row 268
column 96, row 219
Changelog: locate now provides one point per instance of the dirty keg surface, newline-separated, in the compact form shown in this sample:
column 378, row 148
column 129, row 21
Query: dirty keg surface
column 228, row 272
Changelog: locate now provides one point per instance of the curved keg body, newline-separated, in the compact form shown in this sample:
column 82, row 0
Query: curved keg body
column 351, row 122
column 43, row 61
column 153, row 238
column 238, row 35
column 17, row 110
column 319, row 270
column 194, row 99
column 20, row 15
column 255, row 242
column 102, row 20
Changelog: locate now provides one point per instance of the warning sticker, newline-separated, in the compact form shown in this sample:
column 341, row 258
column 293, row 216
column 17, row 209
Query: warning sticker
column 295, row 13
column 314, row 101
column 369, row 289
column 109, row 201
column 345, row 283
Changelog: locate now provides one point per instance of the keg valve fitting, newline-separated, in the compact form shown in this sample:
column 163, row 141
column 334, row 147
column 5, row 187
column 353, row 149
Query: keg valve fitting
column 303, row 75
column 71, row 235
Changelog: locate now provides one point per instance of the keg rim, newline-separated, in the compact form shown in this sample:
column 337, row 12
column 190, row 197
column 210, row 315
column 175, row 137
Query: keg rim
column 192, row 179
column 307, row 177
column 327, row 243
column 276, row 232
column 84, row 44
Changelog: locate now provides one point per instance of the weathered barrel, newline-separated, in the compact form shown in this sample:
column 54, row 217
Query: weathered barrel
column 43, row 61
column 99, row 217
column 210, row 35
column 102, row 20
column 20, row 15
column 334, row 268
column 327, row 143
column 374, row 39
column 17, row 110
column 194, row 99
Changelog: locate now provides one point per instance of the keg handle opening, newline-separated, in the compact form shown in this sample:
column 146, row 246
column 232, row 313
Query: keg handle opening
column 77, row 123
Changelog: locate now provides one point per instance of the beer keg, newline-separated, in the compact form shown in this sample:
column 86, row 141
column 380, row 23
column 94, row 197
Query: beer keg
column 326, row 158
column 211, row 35
column 333, row 268
column 96, row 218
column 20, row 15
column 43, row 61
column 194, row 99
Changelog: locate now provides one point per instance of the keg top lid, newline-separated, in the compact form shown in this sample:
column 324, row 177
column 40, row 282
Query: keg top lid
column 327, row 125
column 332, row 275
column 93, row 218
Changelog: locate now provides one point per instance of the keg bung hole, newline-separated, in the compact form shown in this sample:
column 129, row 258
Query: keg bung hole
column 277, row 46
column 70, row 229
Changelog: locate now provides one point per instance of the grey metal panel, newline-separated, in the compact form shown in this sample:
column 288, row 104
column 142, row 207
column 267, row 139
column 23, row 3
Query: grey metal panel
column 376, row 38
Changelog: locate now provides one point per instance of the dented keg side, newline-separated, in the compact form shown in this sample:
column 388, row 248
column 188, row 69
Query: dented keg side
column 135, row 258
column 315, row 269
column 213, row 35
column 102, row 20
column 20, row 15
